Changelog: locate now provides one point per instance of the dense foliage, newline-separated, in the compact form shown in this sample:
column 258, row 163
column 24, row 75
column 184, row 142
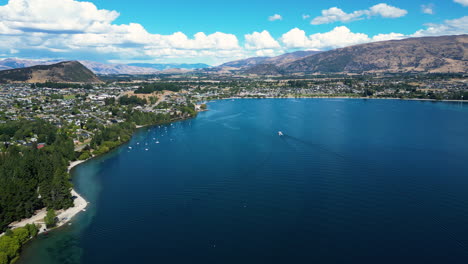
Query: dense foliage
column 32, row 178
column 11, row 242
column 132, row 100
column 20, row 130
column 61, row 85
column 147, row 88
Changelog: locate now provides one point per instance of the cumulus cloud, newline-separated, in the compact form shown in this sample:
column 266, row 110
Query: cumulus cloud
column 275, row 17
column 80, row 27
column 389, row 36
column 428, row 9
column 81, row 30
column 387, row 11
column 54, row 16
column 449, row 27
column 338, row 37
column 462, row 2
column 260, row 40
column 342, row 36
column 335, row 14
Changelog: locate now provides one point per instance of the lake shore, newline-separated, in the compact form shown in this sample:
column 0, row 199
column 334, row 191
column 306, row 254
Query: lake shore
column 344, row 97
column 63, row 216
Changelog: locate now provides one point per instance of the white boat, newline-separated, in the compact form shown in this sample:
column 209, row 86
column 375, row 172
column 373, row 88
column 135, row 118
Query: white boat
column 280, row 133
column 146, row 149
column 129, row 147
column 157, row 142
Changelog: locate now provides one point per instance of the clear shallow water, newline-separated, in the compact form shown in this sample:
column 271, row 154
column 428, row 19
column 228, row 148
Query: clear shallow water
column 352, row 181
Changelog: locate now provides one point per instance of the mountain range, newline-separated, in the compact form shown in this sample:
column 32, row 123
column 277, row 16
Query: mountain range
column 162, row 66
column 444, row 54
column 254, row 61
column 104, row 68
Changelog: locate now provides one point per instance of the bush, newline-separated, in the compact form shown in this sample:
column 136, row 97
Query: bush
column 10, row 246
column 51, row 218
column 22, row 234
column 32, row 229
column 85, row 155
column 3, row 258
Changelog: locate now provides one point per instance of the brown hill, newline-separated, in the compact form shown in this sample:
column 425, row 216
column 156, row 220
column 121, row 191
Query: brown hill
column 67, row 71
column 254, row 62
column 428, row 54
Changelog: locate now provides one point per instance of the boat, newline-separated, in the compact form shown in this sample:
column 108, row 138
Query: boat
column 157, row 142
column 129, row 147
column 146, row 149
column 280, row 133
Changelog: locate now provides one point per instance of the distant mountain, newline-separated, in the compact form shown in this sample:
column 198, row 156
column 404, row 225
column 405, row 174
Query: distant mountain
column 96, row 67
column 162, row 66
column 102, row 68
column 264, row 69
column 67, row 71
column 13, row 63
column 428, row 54
column 276, row 61
column 240, row 64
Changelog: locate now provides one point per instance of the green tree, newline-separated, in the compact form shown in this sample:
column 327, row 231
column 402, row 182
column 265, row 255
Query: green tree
column 10, row 246
column 51, row 218
column 3, row 258
column 9, row 232
column 22, row 234
column 32, row 229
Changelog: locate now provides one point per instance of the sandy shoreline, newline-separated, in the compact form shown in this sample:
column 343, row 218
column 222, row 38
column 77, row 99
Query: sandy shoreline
column 63, row 216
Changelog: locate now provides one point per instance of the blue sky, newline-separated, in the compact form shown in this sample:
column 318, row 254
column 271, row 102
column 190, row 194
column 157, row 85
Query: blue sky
column 244, row 16
column 212, row 31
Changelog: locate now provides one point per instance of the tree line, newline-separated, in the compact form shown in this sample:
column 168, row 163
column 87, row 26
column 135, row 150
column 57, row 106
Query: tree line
column 31, row 178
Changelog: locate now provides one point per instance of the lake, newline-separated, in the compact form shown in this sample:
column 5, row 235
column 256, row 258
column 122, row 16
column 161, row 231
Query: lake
column 351, row 181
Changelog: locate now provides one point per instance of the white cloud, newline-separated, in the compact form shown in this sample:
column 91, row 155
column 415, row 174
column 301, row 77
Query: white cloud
column 267, row 53
column 52, row 15
column 275, row 17
column 428, row 9
column 342, row 36
column 449, row 27
column 305, row 16
column 80, row 27
column 462, row 2
column 338, row 37
column 389, row 36
column 387, row 11
column 81, row 30
column 335, row 14
column 260, row 40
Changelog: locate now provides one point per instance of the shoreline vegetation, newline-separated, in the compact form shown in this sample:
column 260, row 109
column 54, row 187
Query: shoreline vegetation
column 340, row 97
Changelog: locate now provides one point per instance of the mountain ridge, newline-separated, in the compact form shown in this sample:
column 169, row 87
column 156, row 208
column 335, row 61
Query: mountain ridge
column 67, row 71
column 426, row 54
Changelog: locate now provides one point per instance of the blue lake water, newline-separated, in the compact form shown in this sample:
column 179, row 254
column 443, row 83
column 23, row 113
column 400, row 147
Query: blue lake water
column 352, row 181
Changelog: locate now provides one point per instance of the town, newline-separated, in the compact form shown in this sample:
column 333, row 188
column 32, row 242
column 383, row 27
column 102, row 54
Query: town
column 83, row 110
